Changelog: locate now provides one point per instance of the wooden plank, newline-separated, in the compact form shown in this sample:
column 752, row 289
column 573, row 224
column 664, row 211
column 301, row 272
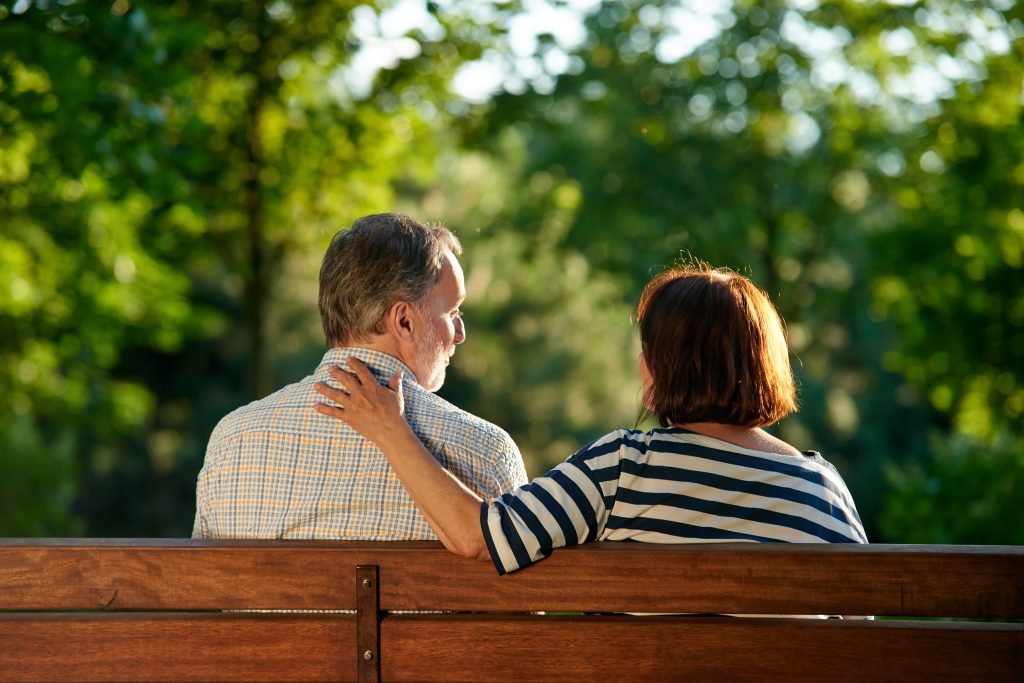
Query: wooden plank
column 727, row 578
column 900, row 580
column 520, row 647
column 181, row 578
column 198, row 647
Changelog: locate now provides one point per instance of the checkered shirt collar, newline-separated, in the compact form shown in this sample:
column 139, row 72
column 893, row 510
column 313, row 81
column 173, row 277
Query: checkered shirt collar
column 381, row 364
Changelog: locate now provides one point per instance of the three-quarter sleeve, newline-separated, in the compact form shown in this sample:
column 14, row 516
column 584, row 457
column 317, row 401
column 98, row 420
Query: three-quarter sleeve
column 568, row 505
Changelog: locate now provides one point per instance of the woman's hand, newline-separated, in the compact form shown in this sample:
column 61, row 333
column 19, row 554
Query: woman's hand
column 373, row 410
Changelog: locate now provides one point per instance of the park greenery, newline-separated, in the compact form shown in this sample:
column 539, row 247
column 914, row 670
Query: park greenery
column 171, row 172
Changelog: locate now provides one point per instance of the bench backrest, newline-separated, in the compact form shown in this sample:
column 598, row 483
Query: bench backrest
column 95, row 609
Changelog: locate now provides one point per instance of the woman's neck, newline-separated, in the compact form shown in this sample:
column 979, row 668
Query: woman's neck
column 753, row 438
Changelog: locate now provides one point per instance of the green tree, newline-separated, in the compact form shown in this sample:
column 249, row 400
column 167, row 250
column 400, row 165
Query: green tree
column 170, row 174
column 163, row 166
column 779, row 144
column 950, row 277
column 82, row 278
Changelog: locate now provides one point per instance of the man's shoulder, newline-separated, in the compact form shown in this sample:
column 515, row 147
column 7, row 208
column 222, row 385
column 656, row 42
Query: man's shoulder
column 480, row 453
column 433, row 411
column 260, row 414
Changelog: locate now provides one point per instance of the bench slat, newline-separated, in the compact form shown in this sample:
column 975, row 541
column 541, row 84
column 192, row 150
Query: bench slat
column 185, row 578
column 480, row 648
column 177, row 647
column 729, row 578
column 283, row 647
column 950, row 581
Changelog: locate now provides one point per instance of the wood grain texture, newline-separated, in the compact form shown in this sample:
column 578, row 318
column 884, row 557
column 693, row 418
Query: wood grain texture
column 183, row 578
column 367, row 652
column 900, row 580
column 169, row 647
column 518, row 647
column 729, row 578
column 124, row 581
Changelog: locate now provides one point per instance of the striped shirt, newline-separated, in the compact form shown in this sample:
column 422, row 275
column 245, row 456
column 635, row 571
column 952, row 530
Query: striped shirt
column 278, row 469
column 670, row 486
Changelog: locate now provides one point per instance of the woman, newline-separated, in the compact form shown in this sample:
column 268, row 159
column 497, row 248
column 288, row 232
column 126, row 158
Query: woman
column 715, row 370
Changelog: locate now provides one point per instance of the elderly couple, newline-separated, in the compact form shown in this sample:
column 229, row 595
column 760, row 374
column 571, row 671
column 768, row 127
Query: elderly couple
column 363, row 448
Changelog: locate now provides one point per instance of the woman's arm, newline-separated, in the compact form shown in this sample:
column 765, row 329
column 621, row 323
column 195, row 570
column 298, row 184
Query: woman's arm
column 375, row 412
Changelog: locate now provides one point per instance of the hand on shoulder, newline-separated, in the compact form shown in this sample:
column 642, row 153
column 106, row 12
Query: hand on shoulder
column 373, row 410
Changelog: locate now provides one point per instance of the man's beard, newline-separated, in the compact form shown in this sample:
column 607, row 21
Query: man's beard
column 432, row 359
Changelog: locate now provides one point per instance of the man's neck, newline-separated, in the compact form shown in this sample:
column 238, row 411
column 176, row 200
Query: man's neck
column 381, row 344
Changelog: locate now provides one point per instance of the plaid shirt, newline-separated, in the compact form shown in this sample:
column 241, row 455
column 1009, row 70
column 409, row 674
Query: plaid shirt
column 278, row 469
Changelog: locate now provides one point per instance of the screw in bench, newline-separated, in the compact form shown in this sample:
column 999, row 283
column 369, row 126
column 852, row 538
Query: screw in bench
column 368, row 655
column 367, row 583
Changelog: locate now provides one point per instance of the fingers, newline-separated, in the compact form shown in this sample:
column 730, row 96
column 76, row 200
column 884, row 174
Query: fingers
column 336, row 395
column 361, row 371
column 329, row 411
column 395, row 383
column 340, row 375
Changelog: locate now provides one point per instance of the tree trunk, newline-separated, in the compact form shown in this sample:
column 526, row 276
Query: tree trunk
column 257, row 287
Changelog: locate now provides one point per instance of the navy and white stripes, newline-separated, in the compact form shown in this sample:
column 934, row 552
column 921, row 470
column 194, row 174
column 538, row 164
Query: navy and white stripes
column 670, row 486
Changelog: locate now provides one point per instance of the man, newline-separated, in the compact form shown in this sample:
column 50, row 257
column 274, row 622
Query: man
column 390, row 291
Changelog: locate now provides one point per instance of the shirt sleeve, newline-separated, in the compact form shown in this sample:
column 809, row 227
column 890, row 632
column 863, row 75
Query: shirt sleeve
column 567, row 506
column 509, row 466
column 500, row 469
column 201, row 525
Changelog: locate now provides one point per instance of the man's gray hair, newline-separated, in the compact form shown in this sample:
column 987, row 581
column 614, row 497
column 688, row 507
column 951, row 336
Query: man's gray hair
column 381, row 259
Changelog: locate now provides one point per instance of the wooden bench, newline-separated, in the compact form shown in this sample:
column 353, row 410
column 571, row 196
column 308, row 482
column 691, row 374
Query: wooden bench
column 142, row 610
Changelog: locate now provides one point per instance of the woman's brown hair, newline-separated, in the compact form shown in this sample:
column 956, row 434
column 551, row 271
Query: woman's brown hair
column 715, row 348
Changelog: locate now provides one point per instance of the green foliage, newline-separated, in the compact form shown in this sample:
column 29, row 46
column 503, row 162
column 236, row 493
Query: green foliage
column 794, row 146
column 551, row 353
column 39, row 480
column 950, row 275
column 967, row 493
column 161, row 165
column 171, row 172
column 81, row 279
column 954, row 258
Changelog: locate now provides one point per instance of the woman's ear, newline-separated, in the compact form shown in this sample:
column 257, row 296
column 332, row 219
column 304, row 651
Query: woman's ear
column 646, row 380
column 643, row 368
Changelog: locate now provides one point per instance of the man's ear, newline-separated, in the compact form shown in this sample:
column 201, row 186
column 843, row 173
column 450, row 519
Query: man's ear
column 400, row 321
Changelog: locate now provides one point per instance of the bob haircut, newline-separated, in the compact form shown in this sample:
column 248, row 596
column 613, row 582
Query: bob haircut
column 715, row 349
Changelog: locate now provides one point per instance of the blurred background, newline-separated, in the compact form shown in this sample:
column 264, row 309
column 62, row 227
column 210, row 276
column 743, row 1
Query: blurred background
column 171, row 173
